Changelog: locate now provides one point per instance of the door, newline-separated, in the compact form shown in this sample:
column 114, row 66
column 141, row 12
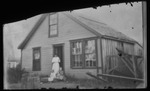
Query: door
column 58, row 49
column 36, row 59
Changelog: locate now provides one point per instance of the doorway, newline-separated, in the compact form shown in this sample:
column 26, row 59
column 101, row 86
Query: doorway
column 59, row 50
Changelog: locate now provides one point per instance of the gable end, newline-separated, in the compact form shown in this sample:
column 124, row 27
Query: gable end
column 38, row 23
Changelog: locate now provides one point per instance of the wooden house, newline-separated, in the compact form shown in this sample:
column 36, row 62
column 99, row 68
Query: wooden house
column 82, row 44
column 12, row 63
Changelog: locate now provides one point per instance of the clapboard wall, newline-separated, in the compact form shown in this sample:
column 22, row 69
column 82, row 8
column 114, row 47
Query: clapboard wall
column 109, row 49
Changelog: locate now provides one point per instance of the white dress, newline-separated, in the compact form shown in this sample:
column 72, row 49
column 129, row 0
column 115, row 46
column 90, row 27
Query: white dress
column 55, row 68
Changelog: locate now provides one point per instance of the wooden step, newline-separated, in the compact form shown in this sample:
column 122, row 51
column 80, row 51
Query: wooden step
column 44, row 79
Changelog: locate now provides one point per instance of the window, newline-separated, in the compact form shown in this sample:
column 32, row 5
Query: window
column 53, row 24
column 77, row 54
column 90, row 54
column 36, row 59
column 36, row 54
column 83, row 53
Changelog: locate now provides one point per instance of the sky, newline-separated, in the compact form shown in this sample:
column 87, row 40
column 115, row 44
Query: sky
column 14, row 33
column 123, row 18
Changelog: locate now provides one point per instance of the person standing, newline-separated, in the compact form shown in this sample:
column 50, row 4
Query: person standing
column 55, row 67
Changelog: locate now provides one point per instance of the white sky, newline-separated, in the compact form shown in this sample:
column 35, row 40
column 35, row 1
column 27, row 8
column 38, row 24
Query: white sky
column 122, row 18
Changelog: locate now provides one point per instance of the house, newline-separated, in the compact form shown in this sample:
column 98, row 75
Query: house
column 12, row 63
column 81, row 43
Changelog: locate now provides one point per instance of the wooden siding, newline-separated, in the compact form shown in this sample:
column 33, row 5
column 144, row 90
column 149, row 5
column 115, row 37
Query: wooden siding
column 27, row 59
column 46, row 57
column 68, row 30
column 109, row 49
column 128, row 48
column 138, row 50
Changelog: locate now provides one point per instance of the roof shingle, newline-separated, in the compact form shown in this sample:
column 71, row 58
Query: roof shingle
column 102, row 28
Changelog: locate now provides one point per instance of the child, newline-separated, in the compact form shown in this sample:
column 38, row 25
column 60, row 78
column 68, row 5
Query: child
column 60, row 75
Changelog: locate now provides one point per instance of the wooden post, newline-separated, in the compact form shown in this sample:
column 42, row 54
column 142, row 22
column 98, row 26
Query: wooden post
column 96, row 77
column 121, row 77
column 134, row 67
column 101, row 55
column 144, row 25
column 96, row 43
column 21, row 59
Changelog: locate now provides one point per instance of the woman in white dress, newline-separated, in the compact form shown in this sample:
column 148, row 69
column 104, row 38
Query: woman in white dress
column 55, row 67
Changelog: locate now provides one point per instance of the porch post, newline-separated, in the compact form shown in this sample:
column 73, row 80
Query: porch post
column 21, row 59
column 101, row 53
column 97, row 53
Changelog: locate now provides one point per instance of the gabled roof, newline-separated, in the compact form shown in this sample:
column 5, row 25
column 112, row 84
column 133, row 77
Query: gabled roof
column 95, row 27
column 28, row 37
column 100, row 28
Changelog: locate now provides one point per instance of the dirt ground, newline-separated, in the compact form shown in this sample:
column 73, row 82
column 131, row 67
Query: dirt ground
column 79, row 84
column 55, row 85
column 61, row 85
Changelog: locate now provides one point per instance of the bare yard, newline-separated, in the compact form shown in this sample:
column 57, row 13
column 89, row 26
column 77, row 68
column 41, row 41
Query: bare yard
column 74, row 83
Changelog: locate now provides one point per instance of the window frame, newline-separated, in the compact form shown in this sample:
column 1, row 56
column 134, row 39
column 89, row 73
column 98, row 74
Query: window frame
column 71, row 56
column 36, row 48
column 90, row 53
column 49, row 25
column 83, row 53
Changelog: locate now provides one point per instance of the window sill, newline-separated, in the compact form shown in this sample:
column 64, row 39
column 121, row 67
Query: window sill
column 36, row 70
column 76, row 68
column 84, row 68
column 90, row 68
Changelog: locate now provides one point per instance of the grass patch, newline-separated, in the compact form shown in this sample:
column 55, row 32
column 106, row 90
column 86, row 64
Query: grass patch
column 15, row 74
column 14, row 86
column 84, row 82
column 93, row 83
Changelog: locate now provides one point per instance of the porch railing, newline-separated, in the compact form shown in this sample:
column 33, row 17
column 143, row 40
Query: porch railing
column 127, row 65
column 111, row 63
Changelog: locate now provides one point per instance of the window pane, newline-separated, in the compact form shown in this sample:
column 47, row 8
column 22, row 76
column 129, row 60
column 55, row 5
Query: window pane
column 90, row 55
column 77, row 48
column 77, row 53
column 90, row 46
column 36, row 54
column 53, row 19
column 53, row 30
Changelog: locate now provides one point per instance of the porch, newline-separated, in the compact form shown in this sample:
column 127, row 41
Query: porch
column 121, row 67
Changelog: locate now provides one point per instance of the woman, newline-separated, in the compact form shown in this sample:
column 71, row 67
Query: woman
column 55, row 67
